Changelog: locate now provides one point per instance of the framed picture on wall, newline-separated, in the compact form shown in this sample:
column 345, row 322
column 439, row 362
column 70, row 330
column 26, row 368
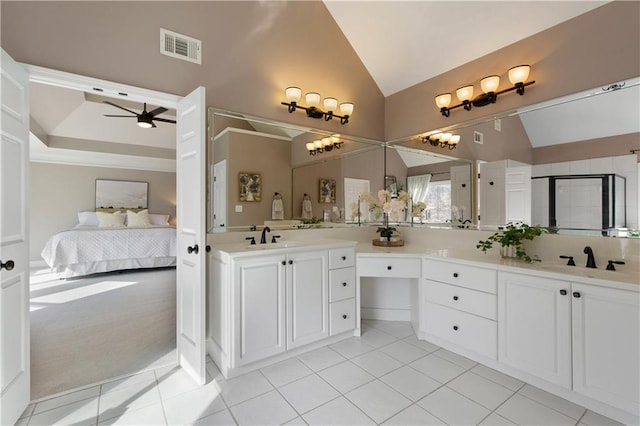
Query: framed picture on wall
column 327, row 191
column 120, row 194
column 250, row 187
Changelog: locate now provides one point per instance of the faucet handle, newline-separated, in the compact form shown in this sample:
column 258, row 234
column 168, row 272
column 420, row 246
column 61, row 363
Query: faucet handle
column 610, row 266
column 253, row 240
column 273, row 238
column 570, row 262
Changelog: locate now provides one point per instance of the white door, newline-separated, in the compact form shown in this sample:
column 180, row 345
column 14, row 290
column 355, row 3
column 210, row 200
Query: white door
column 461, row 190
column 352, row 190
column 492, row 193
column 307, row 298
column 190, row 182
column 534, row 326
column 220, row 196
column 606, row 345
column 14, row 241
column 518, row 194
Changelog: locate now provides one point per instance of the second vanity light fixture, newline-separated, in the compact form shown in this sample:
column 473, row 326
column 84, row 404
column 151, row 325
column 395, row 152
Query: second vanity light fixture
column 327, row 144
column 330, row 105
column 517, row 76
column 443, row 140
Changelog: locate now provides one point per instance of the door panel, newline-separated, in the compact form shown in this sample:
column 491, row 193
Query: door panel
column 190, row 179
column 14, row 237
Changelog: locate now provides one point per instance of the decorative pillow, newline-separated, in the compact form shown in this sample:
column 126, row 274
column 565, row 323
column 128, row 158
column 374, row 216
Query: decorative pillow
column 159, row 219
column 110, row 220
column 138, row 219
column 87, row 219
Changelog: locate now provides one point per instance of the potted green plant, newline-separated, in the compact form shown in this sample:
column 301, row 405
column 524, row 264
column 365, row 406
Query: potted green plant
column 511, row 240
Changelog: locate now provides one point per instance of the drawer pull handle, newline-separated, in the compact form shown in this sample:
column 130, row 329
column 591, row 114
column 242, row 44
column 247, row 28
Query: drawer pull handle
column 344, row 284
column 576, row 294
column 455, row 297
column 455, row 328
column 388, row 268
column 455, row 275
column 563, row 292
column 344, row 316
column 344, row 257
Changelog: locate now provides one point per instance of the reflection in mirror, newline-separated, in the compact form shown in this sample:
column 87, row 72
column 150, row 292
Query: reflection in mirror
column 247, row 155
column 548, row 164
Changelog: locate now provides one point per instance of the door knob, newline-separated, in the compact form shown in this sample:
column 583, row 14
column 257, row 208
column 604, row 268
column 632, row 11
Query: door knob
column 8, row 265
column 207, row 248
column 193, row 249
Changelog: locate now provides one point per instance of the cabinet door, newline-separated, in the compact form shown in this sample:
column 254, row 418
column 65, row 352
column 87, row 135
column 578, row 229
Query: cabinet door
column 606, row 345
column 307, row 298
column 461, row 190
column 534, row 326
column 259, row 301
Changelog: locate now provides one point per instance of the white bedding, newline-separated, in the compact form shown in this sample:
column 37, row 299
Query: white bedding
column 88, row 250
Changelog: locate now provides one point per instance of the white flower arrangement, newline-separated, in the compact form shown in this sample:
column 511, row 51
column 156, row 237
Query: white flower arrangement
column 393, row 207
column 417, row 209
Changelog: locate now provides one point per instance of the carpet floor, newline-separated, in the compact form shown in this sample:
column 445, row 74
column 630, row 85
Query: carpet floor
column 90, row 329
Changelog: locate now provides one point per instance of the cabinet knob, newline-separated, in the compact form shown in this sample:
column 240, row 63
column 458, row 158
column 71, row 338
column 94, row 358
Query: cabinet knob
column 491, row 183
column 284, row 263
column 193, row 249
column 455, row 297
column 563, row 292
column 455, row 328
column 344, row 284
column 464, row 185
column 291, row 262
column 388, row 268
column 455, row 275
column 344, row 316
column 8, row 265
column 576, row 294
column 344, row 257
column 207, row 248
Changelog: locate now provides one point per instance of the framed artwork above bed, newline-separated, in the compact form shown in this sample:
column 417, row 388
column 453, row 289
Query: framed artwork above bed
column 120, row 194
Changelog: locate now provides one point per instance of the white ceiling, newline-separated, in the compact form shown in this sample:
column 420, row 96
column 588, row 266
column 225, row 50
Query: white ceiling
column 402, row 43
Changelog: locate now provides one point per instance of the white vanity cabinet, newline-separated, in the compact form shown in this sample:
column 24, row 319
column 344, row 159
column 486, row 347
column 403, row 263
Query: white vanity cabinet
column 606, row 345
column 460, row 306
column 534, row 325
column 265, row 303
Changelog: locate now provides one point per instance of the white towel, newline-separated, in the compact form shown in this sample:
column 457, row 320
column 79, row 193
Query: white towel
column 307, row 211
column 277, row 209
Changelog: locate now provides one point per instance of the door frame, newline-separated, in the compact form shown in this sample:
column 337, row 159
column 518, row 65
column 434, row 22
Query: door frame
column 71, row 81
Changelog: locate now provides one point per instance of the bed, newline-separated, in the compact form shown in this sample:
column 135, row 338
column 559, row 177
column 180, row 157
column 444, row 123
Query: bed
column 85, row 250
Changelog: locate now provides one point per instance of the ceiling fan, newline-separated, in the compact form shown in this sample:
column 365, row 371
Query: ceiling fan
column 145, row 118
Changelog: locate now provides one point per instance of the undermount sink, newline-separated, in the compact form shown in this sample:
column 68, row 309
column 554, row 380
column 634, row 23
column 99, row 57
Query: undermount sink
column 278, row 245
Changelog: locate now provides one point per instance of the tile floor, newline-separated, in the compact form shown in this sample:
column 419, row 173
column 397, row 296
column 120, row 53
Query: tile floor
column 386, row 376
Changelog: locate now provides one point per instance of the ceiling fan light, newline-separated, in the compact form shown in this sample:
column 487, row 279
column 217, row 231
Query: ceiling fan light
column 519, row 74
column 465, row 93
column 443, row 100
column 145, row 124
column 346, row 108
column 330, row 104
column 312, row 99
column 293, row 94
column 490, row 84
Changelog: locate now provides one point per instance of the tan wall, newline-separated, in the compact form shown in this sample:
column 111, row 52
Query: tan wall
column 252, row 51
column 257, row 154
column 597, row 48
column 59, row 192
column 584, row 150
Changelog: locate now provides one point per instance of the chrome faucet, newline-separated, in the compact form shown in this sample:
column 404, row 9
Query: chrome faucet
column 263, row 238
column 591, row 261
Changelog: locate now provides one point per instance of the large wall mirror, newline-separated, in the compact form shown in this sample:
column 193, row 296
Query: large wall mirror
column 569, row 164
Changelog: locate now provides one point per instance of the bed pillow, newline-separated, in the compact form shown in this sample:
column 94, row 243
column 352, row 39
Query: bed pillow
column 138, row 219
column 110, row 220
column 87, row 219
column 159, row 219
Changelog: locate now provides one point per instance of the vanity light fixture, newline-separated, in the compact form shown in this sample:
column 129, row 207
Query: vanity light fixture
column 312, row 99
column 518, row 76
column 325, row 144
column 443, row 140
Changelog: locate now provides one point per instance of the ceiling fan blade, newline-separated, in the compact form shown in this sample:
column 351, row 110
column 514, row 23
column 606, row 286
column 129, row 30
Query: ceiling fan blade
column 158, row 111
column 123, row 116
column 164, row 119
column 118, row 106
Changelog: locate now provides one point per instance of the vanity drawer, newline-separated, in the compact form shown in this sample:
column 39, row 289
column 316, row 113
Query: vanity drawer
column 469, row 331
column 461, row 298
column 473, row 277
column 342, row 257
column 385, row 266
column 342, row 284
column 342, row 316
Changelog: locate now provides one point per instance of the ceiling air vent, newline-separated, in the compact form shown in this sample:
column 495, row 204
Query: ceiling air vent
column 180, row 46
